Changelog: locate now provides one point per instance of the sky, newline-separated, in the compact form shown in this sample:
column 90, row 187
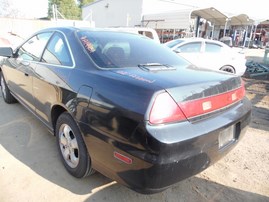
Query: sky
column 32, row 8
column 257, row 9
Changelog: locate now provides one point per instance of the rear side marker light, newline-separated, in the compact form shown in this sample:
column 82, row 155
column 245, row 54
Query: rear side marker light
column 123, row 158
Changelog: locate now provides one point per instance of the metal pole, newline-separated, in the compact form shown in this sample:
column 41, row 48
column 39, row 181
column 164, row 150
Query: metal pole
column 213, row 27
column 245, row 37
column 226, row 21
column 255, row 30
column 250, row 37
column 197, row 26
column 53, row 11
column 56, row 11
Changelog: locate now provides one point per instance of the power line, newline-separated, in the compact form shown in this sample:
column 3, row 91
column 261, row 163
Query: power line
column 183, row 4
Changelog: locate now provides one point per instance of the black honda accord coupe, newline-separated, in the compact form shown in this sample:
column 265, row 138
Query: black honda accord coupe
column 125, row 106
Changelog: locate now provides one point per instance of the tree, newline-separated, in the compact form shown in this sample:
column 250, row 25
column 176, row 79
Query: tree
column 67, row 8
column 84, row 2
column 70, row 9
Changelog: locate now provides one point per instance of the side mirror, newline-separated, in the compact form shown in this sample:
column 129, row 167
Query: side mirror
column 6, row 52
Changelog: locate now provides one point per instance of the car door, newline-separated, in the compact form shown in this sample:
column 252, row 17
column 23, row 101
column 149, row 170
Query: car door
column 190, row 51
column 22, row 68
column 51, row 76
column 213, row 56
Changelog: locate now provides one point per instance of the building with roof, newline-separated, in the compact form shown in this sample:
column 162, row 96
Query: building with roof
column 171, row 20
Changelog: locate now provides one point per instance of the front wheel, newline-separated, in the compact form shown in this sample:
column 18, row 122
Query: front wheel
column 7, row 96
column 72, row 148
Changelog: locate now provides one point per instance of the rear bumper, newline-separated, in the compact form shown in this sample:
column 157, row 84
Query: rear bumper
column 166, row 154
column 183, row 150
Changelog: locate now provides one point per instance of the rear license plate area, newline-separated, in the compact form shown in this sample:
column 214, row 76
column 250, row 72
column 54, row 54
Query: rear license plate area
column 226, row 136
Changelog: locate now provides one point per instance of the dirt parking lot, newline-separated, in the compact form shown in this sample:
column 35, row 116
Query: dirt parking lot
column 30, row 168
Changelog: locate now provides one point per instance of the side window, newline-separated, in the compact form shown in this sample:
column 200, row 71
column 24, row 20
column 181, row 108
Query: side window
column 33, row 48
column 194, row 47
column 212, row 48
column 57, row 52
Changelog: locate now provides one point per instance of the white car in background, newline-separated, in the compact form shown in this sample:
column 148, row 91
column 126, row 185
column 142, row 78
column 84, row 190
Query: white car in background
column 210, row 54
column 145, row 31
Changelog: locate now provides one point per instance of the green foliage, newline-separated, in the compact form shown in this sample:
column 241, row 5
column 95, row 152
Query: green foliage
column 84, row 2
column 68, row 8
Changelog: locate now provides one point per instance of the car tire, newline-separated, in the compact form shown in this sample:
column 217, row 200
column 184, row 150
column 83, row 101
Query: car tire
column 228, row 68
column 7, row 96
column 71, row 147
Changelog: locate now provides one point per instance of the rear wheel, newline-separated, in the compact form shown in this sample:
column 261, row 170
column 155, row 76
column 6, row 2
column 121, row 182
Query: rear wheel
column 72, row 148
column 228, row 68
column 7, row 96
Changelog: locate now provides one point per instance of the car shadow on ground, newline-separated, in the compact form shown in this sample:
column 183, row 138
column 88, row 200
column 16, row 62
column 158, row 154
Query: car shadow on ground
column 25, row 138
column 192, row 189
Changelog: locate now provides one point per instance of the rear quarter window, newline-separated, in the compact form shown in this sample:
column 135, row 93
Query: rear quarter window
column 213, row 48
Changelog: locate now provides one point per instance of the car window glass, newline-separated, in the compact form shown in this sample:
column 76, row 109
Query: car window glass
column 212, row 48
column 57, row 52
column 190, row 47
column 116, row 49
column 173, row 43
column 33, row 48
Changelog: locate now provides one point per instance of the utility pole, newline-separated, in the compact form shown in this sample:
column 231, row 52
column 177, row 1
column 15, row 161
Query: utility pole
column 56, row 12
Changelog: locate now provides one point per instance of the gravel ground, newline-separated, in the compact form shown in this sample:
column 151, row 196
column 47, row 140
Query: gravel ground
column 30, row 169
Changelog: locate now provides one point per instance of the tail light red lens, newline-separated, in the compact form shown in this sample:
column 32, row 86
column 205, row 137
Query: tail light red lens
column 165, row 110
column 206, row 105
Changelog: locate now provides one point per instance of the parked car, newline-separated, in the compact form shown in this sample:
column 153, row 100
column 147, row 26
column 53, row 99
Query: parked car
column 210, row 54
column 123, row 105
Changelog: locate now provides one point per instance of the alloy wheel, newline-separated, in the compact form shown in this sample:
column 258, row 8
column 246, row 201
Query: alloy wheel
column 69, row 146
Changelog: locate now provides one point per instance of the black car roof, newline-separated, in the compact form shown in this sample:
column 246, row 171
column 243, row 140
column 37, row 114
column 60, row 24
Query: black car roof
column 67, row 29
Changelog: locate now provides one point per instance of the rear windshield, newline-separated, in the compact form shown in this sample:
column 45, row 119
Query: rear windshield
column 116, row 49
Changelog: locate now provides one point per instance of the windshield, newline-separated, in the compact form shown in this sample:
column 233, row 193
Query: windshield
column 115, row 49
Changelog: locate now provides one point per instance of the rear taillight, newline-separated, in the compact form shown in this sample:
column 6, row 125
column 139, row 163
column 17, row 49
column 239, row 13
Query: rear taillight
column 165, row 110
column 194, row 108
